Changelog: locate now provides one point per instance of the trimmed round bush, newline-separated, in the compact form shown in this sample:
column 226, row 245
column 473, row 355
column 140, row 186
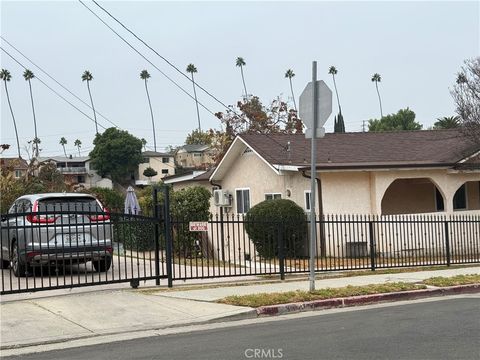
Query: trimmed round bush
column 269, row 220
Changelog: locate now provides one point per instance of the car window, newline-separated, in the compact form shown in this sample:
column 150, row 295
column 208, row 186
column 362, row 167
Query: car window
column 69, row 204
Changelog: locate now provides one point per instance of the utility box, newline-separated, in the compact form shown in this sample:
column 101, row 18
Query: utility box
column 356, row 249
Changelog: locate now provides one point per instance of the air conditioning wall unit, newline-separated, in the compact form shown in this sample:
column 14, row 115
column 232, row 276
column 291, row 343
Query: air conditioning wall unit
column 222, row 198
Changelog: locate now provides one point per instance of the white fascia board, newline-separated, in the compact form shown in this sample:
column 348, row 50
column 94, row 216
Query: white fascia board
column 184, row 178
column 469, row 157
column 286, row 167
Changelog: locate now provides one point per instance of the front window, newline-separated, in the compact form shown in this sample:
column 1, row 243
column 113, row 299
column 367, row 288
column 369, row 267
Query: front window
column 242, row 200
column 18, row 174
column 164, row 171
column 273, row 196
column 460, row 198
column 145, row 160
column 307, row 200
column 165, row 160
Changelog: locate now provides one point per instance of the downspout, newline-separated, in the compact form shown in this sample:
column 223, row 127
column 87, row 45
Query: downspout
column 222, row 234
column 320, row 212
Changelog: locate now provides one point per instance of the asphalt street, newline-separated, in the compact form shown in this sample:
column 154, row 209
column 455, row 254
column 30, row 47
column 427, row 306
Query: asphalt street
column 438, row 329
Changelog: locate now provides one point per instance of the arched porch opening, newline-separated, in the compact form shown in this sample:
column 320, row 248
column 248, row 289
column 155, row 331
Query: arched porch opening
column 412, row 196
column 467, row 197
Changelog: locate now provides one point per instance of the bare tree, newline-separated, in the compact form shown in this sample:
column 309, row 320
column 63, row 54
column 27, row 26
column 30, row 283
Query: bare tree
column 466, row 94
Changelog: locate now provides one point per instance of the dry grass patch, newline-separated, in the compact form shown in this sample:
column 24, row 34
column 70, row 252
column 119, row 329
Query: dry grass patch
column 453, row 280
column 256, row 300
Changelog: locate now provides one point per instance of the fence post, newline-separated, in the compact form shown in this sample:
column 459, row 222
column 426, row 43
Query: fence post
column 372, row 245
column 447, row 242
column 156, row 235
column 281, row 251
column 168, row 238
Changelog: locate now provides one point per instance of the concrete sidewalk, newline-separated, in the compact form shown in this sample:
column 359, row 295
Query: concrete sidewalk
column 62, row 318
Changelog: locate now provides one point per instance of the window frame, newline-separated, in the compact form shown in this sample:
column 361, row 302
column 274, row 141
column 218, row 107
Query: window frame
column 243, row 198
column 165, row 158
column 163, row 171
column 273, row 194
column 309, row 192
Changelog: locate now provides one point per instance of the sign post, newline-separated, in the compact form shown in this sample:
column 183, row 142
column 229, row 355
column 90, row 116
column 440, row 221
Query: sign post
column 315, row 107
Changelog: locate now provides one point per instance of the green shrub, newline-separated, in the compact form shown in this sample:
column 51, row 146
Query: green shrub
column 268, row 220
column 113, row 200
column 134, row 233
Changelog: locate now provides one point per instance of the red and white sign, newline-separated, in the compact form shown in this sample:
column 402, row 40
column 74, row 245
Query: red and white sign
column 198, row 226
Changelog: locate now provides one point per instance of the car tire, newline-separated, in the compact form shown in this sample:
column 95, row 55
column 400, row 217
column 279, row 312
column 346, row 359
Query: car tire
column 103, row 264
column 19, row 269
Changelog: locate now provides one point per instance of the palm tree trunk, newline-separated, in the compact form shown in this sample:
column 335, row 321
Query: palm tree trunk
column 13, row 117
column 65, row 152
column 34, row 118
column 151, row 113
column 379, row 100
column 293, row 96
column 78, row 147
column 243, row 80
column 336, row 92
column 196, row 103
column 93, row 107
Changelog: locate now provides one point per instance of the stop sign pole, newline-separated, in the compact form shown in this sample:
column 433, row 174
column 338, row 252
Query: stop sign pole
column 313, row 228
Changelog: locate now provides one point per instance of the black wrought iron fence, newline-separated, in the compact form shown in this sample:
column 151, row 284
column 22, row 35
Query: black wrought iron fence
column 233, row 245
column 50, row 248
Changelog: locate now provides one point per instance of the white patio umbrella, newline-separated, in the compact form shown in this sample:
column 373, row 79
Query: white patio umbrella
column 131, row 202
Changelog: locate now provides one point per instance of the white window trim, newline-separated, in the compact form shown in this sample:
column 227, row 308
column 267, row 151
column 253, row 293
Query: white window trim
column 273, row 194
column 249, row 198
column 305, row 192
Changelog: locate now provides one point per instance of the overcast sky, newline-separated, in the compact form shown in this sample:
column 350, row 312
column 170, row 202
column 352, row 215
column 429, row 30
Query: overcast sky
column 417, row 47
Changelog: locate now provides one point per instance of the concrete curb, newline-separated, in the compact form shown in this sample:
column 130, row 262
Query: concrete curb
column 272, row 310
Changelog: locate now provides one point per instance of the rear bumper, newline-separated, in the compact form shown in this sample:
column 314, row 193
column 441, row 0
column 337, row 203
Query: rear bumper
column 70, row 255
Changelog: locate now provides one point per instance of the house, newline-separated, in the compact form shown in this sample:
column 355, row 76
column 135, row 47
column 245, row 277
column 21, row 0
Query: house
column 18, row 165
column 391, row 175
column 77, row 171
column 194, row 156
column 384, row 173
column 162, row 163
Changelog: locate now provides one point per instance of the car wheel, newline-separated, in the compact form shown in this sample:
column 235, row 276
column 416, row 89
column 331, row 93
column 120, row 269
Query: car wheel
column 103, row 264
column 19, row 269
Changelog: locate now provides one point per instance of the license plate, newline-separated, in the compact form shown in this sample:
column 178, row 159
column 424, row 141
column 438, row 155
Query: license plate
column 72, row 239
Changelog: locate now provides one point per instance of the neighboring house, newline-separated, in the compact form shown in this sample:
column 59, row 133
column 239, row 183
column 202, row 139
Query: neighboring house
column 162, row 163
column 77, row 171
column 18, row 165
column 189, row 179
column 194, row 156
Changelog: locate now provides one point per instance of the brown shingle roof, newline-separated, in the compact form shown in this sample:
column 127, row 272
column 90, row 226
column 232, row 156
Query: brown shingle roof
column 15, row 163
column 369, row 149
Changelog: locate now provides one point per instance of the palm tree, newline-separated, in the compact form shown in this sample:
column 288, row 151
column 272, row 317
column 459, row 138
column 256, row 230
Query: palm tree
column 28, row 75
column 376, row 78
column 63, row 142
column 192, row 69
column 241, row 63
column 78, row 144
column 144, row 75
column 447, row 122
column 87, row 76
column 333, row 71
column 289, row 74
column 5, row 76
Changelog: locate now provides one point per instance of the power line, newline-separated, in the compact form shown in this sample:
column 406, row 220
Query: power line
column 162, row 57
column 51, row 77
column 54, row 91
column 147, row 60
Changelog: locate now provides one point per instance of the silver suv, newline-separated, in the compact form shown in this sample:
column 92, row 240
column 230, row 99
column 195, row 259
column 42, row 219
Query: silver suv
column 56, row 229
